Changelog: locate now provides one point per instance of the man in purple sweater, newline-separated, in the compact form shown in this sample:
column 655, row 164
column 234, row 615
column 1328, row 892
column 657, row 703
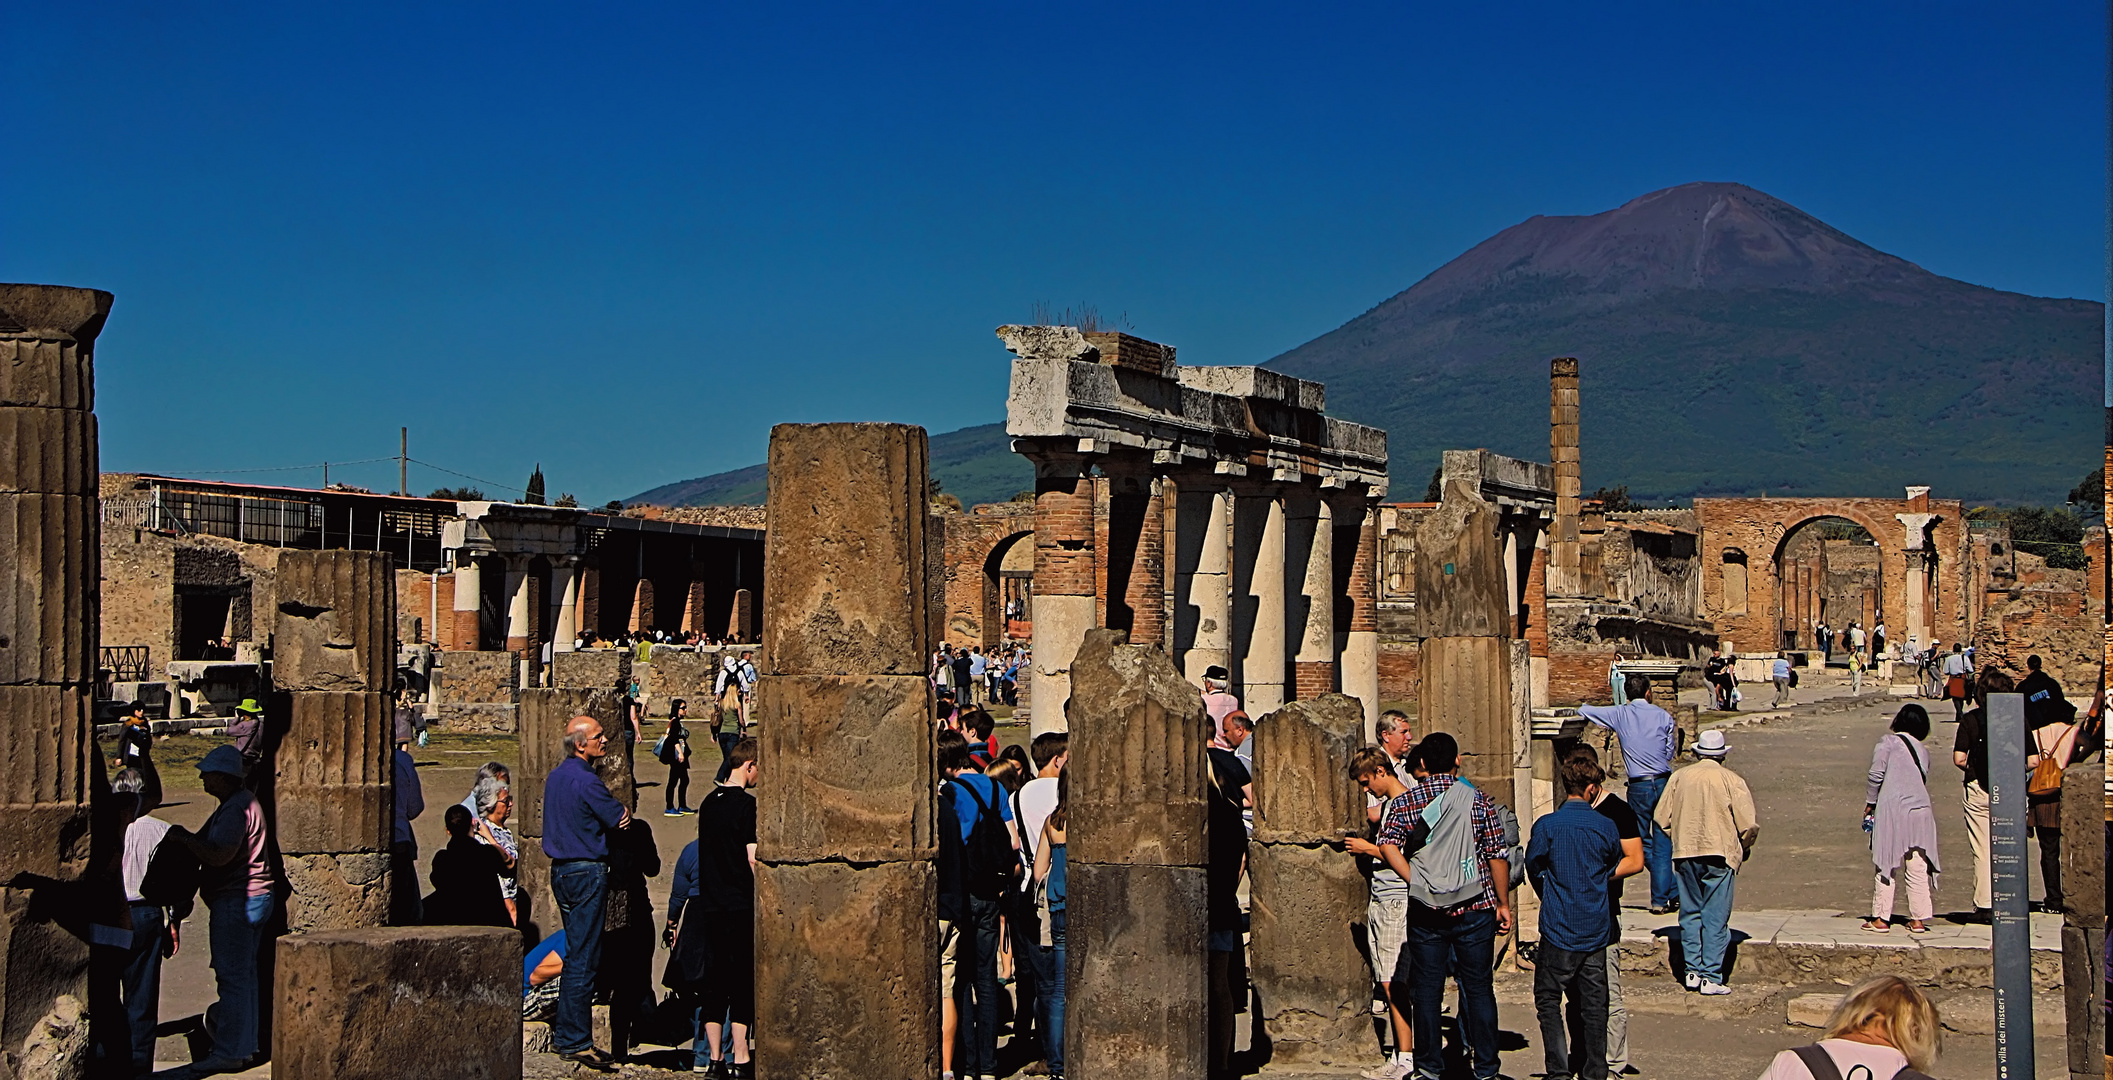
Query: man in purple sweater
column 578, row 815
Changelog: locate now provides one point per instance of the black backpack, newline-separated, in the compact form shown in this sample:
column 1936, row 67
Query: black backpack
column 990, row 868
column 171, row 880
column 1823, row 1067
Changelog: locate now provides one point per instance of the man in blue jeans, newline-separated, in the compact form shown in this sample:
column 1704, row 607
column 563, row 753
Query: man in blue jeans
column 578, row 814
column 1457, row 905
column 1647, row 748
column 235, row 882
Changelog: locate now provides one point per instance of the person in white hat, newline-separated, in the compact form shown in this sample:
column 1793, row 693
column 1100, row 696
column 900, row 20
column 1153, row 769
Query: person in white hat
column 1709, row 813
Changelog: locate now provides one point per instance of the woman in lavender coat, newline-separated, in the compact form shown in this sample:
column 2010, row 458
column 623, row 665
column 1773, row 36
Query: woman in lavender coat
column 1903, row 827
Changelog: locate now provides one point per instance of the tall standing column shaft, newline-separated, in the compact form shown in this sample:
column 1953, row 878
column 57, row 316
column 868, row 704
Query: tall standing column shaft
column 1565, row 574
column 1258, row 586
column 565, row 581
column 1359, row 672
column 1064, row 571
column 519, row 629
column 469, row 605
column 1310, row 590
column 1203, row 614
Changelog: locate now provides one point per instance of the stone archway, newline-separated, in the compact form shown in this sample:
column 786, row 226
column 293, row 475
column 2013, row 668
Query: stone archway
column 1828, row 571
column 1008, row 590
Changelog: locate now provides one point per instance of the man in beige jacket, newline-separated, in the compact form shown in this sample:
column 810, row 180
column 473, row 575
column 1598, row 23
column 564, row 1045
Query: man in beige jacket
column 1709, row 813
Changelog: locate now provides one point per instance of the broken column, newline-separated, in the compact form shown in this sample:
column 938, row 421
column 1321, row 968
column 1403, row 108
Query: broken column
column 1465, row 628
column 334, row 671
column 48, row 617
column 1307, row 894
column 386, row 1003
column 847, row 918
column 1136, row 856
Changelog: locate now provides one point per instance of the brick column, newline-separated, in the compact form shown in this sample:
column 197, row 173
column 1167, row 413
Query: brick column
column 1064, row 569
column 333, row 779
column 469, row 605
column 1136, row 967
column 1307, row 894
column 642, row 606
column 1359, row 662
column 694, row 600
column 48, row 623
column 1309, row 590
column 1203, row 598
column 847, row 920
column 520, row 606
column 740, row 622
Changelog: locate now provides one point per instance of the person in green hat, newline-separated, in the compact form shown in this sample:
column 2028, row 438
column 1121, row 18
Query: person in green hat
column 248, row 732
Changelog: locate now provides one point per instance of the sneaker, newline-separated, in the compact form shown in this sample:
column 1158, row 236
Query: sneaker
column 1714, row 989
column 1692, row 981
column 1666, row 909
column 1392, row 1070
column 671, row 812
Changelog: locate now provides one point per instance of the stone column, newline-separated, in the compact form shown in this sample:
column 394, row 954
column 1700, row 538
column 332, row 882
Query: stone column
column 1565, row 573
column 333, row 775
column 1136, row 967
column 1307, row 895
column 1258, row 596
column 48, row 622
column 1063, row 581
column 1466, row 656
column 740, row 622
column 520, row 628
column 1203, row 614
column 1359, row 672
column 1309, row 529
column 469, row 603
column 565, row 581
column 847, row 921
column 694, row 601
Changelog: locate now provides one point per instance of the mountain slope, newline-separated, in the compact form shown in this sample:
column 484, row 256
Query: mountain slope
column 976, row 464
column 1729, row 343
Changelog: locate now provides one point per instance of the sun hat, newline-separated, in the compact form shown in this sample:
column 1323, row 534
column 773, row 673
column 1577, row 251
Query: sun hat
column 223, row 759
column 1711, row 744
column 249, row 705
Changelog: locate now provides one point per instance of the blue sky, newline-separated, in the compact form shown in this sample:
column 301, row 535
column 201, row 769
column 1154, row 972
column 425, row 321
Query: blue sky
column 623, row 243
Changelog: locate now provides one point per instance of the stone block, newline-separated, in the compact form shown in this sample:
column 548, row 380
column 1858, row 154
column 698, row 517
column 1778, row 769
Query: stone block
column 1138, row 772
column 49, row 588
column 47, row 344
column 679, row 673
column 2084, row 842
column 544, row 715
column 1460, row 578
column 536, row 906
column 851, row 768
column 44, row 967
column 44, row 770
column 1303, row 790
column 536, row 1039
column 347, row 891
column 1135, row 971
column 595, row 669
column 478, row 719
column 851, row 984
column 844, row 561
column 335, row 780
column 47, row 451
column 2083, row 989
column 1467, row 694
column 1811, row 1010
column 1315, row 986
column 481, row 678
column 396, row 1002
column 336, row 623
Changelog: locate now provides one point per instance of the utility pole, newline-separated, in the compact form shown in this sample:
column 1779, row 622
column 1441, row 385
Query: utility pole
column 403, row 462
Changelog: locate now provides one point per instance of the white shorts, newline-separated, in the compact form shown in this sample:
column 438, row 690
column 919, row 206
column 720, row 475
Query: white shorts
column 1386, row 929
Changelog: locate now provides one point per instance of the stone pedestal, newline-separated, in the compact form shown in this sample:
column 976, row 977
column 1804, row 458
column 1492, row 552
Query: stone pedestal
column 388, row 1003
column 334, row 791
column 1135, row 971
column 1308, row 897
column 847, row 922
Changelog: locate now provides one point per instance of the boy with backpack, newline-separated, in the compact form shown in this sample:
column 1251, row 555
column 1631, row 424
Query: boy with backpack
column 1446, row 839
column 979, row 866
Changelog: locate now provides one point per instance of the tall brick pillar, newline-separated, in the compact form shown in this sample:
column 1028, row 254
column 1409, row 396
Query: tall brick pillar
column 1565, row 571
column 469, row 605
column 1064, row 572
column 1307, row 895
column 1136, row 967
column 49, row 596
column 693, row 604
column 1359, row 674
column 847, row 919
column 1136, row 552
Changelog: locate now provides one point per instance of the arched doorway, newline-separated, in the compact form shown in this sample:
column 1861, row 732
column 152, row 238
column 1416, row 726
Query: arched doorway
column 1829, row 571
column 1008, row 591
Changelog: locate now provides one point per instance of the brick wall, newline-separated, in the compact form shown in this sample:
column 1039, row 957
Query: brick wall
column 1063, row 556
column 477, row 678
column 414, row 607
column 139, row 594
column 968, row 542
column 1579, row 678
column 1400, row 680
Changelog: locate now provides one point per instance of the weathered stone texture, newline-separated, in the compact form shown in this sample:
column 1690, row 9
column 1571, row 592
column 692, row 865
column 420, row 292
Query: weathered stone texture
column 848, row 983
column 1135, row 970
column 845, row 562
column 1139, row 734
column 595, row 669
column 1303, row 791
column 2084, row 843
column 47, row 345
column 44, row 769
column 47, row 451
column 335, row 780
column 48, row 588
column 336, row 625
column 679, row 673
column 44, row 967
column 852, row 768
column 481, row 678
column 1308, row 970
column 346, row 891
column 1467, row 693
column 1461, row 589
column 2083, row 983
column 398, row 1002
column 544, row 716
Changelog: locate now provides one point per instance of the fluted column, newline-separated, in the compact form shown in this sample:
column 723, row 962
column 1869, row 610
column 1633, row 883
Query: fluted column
column 1258, row 593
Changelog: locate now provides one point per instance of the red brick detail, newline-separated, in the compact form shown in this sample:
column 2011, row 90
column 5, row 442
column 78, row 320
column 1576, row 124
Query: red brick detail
column 1364, row 575
column 1063, row 536
column 1580, row 678
column 1312, row 678
column 468, row 634
column 1400, row 672
column 1534, row 604
column 1145, row 592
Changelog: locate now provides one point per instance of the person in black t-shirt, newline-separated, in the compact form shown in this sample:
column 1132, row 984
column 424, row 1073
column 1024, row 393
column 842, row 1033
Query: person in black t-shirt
column 1227, row 835
column 1616, row 810
column 1970, row 754
column 726, row 891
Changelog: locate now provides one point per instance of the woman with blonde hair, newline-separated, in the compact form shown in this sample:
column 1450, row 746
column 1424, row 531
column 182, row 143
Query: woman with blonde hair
column 1884, row 1029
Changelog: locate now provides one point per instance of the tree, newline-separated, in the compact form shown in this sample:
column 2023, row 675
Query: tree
column 2090, row 496
column 1436, row 491
column 534, row 495
column 2051, row 532
column 566, row 500
column 1615, row 500
column 613, row 506
column 458, row 494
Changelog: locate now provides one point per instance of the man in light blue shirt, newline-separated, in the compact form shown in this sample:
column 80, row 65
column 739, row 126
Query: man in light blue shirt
column 1779, row 673
column 1646, row 735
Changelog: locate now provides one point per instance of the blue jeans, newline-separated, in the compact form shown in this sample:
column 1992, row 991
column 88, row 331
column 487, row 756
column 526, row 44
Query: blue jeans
column 581, row 886
column 1657, row 846
column 142, row 984
column 1051, row 972
column 236, row 926
column 726, row 741
column 1466, row 946
column 701, row 1048
column 1705, row 915
column 976, row 987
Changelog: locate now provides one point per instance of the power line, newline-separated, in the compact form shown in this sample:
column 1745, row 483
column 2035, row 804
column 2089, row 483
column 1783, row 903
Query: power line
column 464, row 475
column 283, row 468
